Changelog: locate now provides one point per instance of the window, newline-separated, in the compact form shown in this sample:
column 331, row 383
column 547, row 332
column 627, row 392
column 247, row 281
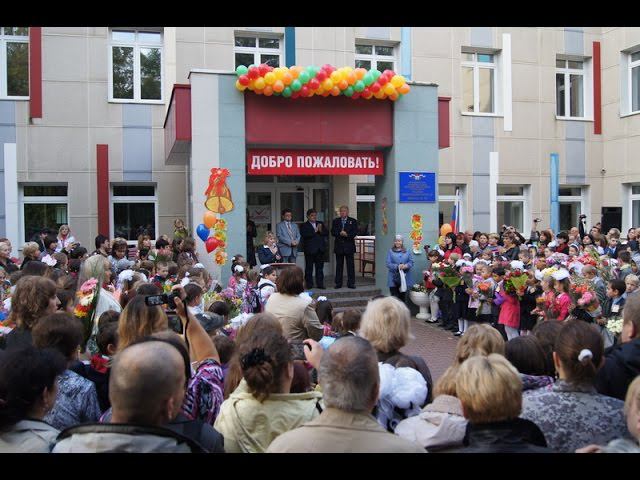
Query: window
column 366, row 214
column 14, row 62
column 379, row 57
column 43, row 206
column 136, row 66
column 635, row 206
column 570, row 88
column 634, row 81
column 511, row 201
column 254, row 50
column 570, row 206
column 447, row 202
column 134, row 211
column 479, row 82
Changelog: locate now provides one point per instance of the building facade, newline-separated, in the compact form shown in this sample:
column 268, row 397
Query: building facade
column 83, row 113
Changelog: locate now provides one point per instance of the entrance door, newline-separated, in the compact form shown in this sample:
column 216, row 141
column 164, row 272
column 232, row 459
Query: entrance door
column 260, row 209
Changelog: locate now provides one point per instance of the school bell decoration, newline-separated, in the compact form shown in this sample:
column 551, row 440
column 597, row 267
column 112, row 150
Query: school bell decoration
column 218, row 193
column 296, row 81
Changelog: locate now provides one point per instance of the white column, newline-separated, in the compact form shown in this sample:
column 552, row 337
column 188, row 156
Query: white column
column 493, row 189
column 11, row 195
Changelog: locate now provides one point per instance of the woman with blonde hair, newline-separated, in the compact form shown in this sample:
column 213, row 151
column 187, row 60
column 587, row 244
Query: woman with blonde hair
column 269, row 253
column 138, row 320
column 98, row 268
column 30, row 252
column 66, row 241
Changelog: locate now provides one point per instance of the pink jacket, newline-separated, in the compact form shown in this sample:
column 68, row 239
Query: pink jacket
column 562, row 306
column 509, row 310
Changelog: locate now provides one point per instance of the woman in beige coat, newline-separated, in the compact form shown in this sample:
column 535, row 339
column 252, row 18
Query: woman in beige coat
column 261, row 408
column 295, row 312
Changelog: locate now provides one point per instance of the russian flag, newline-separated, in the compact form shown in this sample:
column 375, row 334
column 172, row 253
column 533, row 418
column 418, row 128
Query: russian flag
column 455, row 215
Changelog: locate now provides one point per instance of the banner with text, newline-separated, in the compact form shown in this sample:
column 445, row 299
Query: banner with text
column 314, row 162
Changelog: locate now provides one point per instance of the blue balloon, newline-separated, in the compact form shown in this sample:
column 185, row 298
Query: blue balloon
column 203, row 232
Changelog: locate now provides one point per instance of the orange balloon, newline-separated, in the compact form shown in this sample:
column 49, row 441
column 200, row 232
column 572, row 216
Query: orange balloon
column 351, row 78
column 327, row 84
column 343, row 84
column 404, row 89
column 209, row 219
column 287, row 78
column 379, row 94
column 268, row 91
column 360, row 73
column 445, row 228
column 294, row 71
column 278, row 86
column 335, row 91
column 394, row 96
column 325, row 93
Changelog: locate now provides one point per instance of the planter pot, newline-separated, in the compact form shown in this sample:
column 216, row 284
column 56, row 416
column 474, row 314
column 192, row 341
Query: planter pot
column 421, row 299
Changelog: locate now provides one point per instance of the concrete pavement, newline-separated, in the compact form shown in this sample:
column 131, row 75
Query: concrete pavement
column 436, row 346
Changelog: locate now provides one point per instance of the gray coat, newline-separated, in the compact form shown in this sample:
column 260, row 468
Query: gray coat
column 573, row 417
column 28, row 436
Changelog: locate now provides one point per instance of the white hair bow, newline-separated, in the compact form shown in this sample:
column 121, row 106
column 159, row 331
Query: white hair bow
column 561, row 274
column 262, row 267
column 125, row 275
column 517, row 265
column 199, row 265
column 322, row 298
column 238, row 269
column 184, row 282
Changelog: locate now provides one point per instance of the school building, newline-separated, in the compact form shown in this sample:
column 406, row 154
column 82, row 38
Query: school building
column 115, row 130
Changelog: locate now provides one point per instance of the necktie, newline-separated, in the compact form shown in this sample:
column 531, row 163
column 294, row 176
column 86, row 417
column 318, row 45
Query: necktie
column 344, row 222
column 289, row 228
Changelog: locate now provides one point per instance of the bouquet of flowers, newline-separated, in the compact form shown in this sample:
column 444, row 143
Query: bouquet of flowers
column 167, row 285
column 614, row 325
column 418, row 287
column 557, row 259
column 515, row 282
column 485, row 289
column 87, row 299
column 448, row 274
column 467, row 275
column 227, row 296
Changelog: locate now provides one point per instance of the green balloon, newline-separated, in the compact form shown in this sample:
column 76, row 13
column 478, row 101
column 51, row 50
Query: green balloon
column 304, row 76
column 312, row 70
column 296, row 85
column 359, row 86
column 376, row 74
column 348, row 92
column 368, row 79
column 241, row 70
column 286, row 92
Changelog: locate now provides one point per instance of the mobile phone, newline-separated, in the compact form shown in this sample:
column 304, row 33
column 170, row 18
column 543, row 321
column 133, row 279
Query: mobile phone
column 175, row 324
column 297, row 348
column 159, row 300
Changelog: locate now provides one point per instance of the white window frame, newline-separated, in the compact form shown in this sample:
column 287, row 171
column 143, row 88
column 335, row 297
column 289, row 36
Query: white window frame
column 476, row 66
column 632, row 197
column 257, row 51
column 133, row 199
column 462, row 214
column 587, row 87
column 38, row 200
column 581, row 199
column 524, row 198
column 630, row 66
column 374, row 58
column 136, row 65
column 4, row 39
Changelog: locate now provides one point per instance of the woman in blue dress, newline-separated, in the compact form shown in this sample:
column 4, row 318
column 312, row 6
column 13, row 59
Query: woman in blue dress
column 399, row 258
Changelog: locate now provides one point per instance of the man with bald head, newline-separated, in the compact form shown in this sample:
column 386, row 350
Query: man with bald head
column 350, row 381
column 146, row 389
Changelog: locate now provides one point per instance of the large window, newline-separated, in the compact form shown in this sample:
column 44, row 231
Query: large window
column 570, row 88
column 136, row 72
column 254, row 50
column 43, row 206
column 134, row 211
column 447, row 202
column 511, row 201
column 635, row 206
column 479, row 82
column 14, row 62
column 366, row 214
column 570, row 206
column 380, row 57
column 634, row 81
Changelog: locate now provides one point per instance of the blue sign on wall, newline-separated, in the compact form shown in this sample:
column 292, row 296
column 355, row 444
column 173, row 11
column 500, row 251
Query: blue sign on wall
column 417, row 187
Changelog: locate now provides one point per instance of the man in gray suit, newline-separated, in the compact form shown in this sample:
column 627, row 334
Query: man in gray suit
column 288, row 237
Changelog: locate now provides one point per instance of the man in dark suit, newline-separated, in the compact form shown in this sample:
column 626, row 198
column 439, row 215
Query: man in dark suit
column 314, row 235
column 345, row 229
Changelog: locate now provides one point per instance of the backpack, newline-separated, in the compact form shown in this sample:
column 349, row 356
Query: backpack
column 255, row 299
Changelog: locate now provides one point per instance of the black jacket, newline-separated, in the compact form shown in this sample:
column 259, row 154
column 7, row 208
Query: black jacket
column 313, row 241
column 266, row 256
column 621, row 366
column 17, row 338
column 512, row 253
column 344, row 245
column 509, row 436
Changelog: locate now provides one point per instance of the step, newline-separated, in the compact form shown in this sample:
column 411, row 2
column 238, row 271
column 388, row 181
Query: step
column 350, row 302
column 344, row 309
column 346, row 293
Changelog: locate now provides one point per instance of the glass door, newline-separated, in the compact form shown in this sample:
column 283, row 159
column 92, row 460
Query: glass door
column 260, row 206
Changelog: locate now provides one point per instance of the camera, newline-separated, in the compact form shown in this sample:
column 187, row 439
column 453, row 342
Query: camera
column 175, row 324
column 537, row 220
column 297, row 349
column 582, row 217
column 159, row 300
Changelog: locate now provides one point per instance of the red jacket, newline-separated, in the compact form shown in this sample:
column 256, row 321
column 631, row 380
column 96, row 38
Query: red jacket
column 509, row 310
column 447, row 253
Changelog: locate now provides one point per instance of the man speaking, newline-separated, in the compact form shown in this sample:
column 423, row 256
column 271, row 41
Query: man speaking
column 345, row 229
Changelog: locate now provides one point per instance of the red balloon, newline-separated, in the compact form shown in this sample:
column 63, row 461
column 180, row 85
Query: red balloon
column 388, row 73
column 263, row 69
column 321, row 76
column 211, row 244
column 356, row 95
column 244, row 80
column 304, row 91
column 383, row 80
column 375, row 87
column 254, row 73
column 314, row 84
column 295, row 95
column 327, row 68
column 366, row 91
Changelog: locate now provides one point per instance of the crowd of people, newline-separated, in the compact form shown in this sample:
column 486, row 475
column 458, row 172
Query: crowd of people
column 112, row 352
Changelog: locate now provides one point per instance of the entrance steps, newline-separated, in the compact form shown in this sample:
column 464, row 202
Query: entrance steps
column 346, row 298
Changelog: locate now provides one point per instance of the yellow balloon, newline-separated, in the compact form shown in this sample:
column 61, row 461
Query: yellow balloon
column 389, row 89
column 327, row 84
column 441, row 240
column 279, row 73
column 397, row 81
column 336, row 76
column 379, row 94
column 260, row 83
column 270, row 78
column 239, row 86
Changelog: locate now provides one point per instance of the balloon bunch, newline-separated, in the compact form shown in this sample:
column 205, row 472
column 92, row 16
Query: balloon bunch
column 416, row 232
column 444, row 229
column 296, row 81
column 218, row 241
